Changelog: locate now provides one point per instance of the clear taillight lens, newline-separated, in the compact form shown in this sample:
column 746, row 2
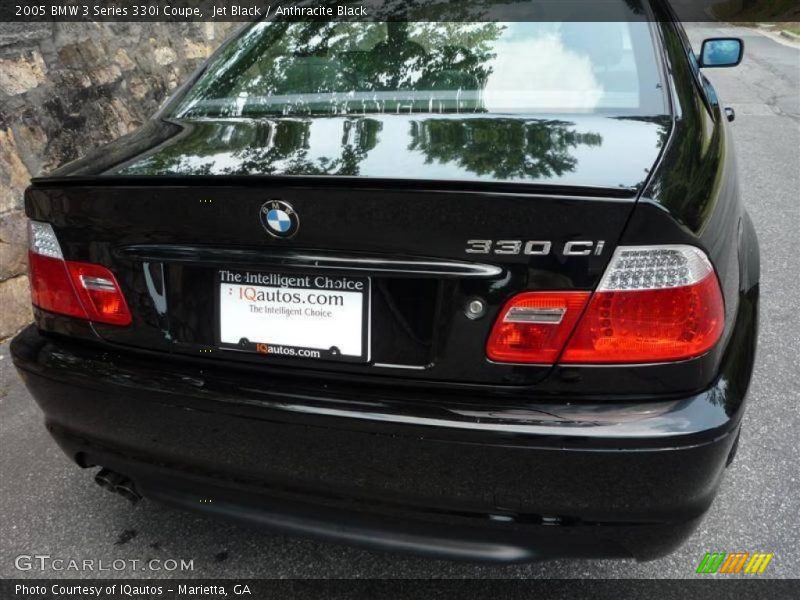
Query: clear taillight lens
column 653, row 268
column 42, row 240
column 82, row 290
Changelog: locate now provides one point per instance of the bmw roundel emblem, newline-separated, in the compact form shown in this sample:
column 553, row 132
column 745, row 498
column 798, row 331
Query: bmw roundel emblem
column 279, row 219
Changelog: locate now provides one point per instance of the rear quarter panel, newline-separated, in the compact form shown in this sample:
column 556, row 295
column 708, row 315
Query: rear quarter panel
column 692, row 198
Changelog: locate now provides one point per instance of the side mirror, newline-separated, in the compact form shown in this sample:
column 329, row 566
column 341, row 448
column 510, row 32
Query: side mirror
column 721, row 52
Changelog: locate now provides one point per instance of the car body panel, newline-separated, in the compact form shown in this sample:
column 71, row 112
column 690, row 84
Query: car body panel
column 558, row 150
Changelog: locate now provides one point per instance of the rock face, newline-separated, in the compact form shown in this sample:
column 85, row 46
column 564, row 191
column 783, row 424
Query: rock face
column 66, row 88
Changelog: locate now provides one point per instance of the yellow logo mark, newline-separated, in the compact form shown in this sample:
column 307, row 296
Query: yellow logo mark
column 758, row 562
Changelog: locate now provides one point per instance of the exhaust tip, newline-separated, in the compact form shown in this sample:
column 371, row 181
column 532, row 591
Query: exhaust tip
column 117, row 483
column 128, row 491
column 107, row 479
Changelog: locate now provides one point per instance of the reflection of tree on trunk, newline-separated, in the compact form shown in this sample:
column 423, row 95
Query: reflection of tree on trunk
column 264, row 147
column 289, row 153
column 502, row 148
column 663, row 122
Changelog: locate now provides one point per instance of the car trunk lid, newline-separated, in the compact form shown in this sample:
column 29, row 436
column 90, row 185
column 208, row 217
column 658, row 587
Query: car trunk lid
column 427, row 242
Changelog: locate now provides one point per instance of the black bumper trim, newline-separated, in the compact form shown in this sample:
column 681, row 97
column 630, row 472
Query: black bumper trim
column 610, row 424
column 462, row 536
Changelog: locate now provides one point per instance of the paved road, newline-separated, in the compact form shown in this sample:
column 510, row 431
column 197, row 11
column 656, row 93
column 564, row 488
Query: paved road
column 48, row 506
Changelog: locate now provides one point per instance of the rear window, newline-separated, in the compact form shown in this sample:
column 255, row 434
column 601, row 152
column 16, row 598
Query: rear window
column 336, row 68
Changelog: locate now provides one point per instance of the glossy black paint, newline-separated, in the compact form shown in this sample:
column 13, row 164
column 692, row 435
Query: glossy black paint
column 464, row 476
column 568, row 151
column 381, row 223
column 456, row 438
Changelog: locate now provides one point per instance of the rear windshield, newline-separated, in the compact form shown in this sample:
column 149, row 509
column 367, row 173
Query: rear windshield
column 337, row 68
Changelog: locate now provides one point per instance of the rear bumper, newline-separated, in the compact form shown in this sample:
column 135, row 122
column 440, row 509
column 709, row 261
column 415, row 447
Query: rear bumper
column 398, row 470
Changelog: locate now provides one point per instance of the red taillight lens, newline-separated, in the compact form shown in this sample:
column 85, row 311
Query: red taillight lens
column 82, row 290
column 51, row 288
column 654, row 304
column 99, row 293
column 534, row 326
column 644, row 326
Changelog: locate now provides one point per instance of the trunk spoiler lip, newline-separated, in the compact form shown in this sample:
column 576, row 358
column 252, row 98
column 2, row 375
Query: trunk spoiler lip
column 440, row 185
column 312, row 260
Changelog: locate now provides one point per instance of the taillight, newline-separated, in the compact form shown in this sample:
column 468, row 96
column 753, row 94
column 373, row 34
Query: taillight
column 51, row 288
column 99, row 293
column 654, row 304
column 534, row 326
column 81, row 290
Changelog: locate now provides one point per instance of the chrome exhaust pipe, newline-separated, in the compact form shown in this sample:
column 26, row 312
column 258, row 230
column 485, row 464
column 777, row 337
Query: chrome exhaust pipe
column 117, row 483
column 127, row 490
column 108, row 479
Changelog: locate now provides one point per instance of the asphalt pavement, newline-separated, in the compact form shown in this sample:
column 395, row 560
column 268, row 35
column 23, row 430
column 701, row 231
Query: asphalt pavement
column 50, row 506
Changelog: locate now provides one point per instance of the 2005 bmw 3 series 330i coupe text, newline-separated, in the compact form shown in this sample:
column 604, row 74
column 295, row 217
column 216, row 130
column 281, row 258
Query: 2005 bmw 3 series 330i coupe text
column 477, row 290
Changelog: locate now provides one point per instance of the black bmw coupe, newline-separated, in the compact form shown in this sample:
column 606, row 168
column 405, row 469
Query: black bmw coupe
column 482, row 290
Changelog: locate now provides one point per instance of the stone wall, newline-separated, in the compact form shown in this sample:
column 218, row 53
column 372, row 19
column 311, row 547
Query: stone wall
column 66, row 88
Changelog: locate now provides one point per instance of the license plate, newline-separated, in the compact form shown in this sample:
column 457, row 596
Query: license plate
column 322, row 317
